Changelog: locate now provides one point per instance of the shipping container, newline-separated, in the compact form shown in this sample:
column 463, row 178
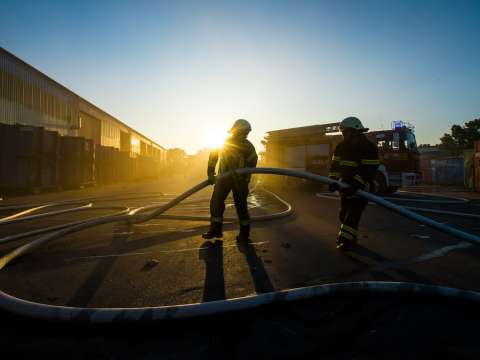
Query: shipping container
column 50, row 143
column 49, row 177
column 449, row 171
column 77, row 161
column 106, row 164
column 30, row 140
column 126, row 167
column 88, row 163
column 72, row 148
column 49, row 174
column 20, row 148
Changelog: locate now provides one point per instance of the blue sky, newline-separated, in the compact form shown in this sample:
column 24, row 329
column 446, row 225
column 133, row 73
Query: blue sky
column 180, row 71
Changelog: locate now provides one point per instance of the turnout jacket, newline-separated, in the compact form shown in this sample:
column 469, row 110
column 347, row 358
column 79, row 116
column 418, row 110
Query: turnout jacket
column 236, row 153
column 355, row 162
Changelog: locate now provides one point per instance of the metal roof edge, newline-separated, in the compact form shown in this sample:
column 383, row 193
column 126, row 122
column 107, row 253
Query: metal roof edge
column 16, row 58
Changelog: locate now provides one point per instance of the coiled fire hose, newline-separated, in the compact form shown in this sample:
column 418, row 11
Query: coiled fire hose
column 139, row 215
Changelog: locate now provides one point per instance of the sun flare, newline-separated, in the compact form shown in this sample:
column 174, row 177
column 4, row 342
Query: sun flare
column 215, row 138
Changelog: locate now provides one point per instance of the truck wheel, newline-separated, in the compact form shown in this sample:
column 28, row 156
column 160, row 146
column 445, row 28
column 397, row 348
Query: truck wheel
column 380, row 184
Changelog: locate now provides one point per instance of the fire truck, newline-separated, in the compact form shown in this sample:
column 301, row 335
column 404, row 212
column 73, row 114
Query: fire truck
column 311, row 148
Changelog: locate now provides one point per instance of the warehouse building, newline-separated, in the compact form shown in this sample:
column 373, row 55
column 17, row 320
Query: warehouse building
column 29, row 97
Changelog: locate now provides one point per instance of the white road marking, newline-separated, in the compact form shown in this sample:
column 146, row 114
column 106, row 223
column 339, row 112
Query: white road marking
column 158, row 251
column 420, row 236
column 441, row 252
column 425, row 257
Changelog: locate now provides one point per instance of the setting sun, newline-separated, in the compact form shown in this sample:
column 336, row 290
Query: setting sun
column 215, row 138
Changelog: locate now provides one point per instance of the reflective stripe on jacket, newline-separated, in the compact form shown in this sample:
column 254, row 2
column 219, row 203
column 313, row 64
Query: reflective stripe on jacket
column 355, row 161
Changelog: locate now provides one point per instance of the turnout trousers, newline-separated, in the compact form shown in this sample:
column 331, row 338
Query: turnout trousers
column 351, row 209
column 239, row 188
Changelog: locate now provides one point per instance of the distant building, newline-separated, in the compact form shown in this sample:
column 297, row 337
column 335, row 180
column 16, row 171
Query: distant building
column 430, row 151
column 29, row 97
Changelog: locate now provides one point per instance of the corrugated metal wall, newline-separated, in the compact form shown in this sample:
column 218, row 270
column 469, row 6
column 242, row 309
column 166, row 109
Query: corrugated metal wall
column 448, row 171
column 29, row 97
column 90, row 127
column 125, row 141
column 115, row 134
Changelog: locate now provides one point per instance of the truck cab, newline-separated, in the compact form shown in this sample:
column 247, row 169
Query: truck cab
column 399, row 156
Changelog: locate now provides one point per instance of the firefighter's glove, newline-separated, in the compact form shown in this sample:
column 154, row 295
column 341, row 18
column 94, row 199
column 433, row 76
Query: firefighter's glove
column 351, row 190
column 211, row 179
column 333, row 187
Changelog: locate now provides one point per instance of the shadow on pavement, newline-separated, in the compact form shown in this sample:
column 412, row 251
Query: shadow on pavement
column 212, row 254
column 259, row 275
column 86, row 292
column 380, row 263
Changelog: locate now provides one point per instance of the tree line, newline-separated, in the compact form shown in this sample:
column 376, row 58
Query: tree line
column 461, row 137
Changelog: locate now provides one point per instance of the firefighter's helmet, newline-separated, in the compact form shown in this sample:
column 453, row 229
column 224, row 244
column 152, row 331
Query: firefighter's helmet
column 352, row 123
column 241, row 125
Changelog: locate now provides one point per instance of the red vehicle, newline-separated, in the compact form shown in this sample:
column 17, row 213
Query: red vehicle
column 400, row 159
column 310, row 148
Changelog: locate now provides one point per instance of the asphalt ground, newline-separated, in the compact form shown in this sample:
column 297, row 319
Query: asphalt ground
column 111, row 266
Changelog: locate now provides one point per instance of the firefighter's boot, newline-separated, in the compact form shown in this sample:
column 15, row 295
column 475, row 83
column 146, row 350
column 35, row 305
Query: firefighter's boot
column 214, row 232
column 244, row 234
column 344, row 244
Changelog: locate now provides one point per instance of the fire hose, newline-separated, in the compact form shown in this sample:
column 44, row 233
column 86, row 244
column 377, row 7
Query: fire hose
column 136, row 216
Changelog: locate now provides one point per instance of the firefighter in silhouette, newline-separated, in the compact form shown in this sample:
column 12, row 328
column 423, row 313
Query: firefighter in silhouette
column 236, row 153
column 354, row 162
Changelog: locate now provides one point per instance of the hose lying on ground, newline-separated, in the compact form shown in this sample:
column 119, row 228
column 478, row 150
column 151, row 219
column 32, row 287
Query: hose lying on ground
column 18, row 236
column 139, row 215
column 414, row 208
column 16, row 218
